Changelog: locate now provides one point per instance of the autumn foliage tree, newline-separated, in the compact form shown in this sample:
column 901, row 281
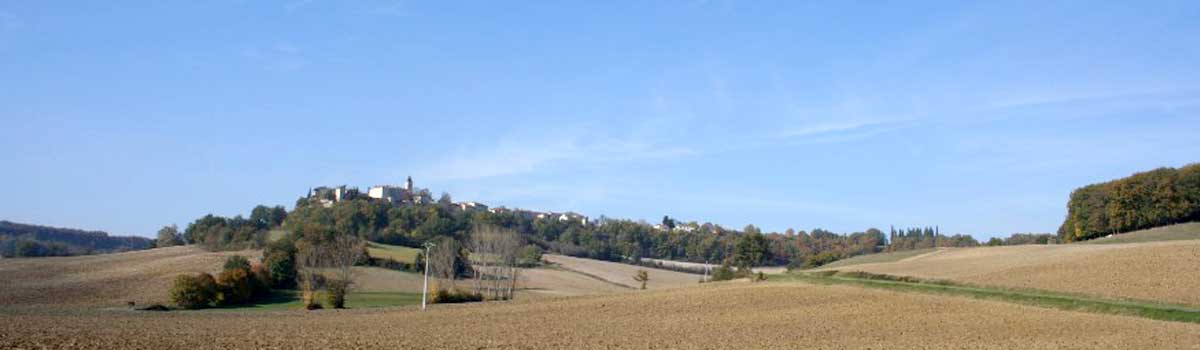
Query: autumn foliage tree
column 1144, row 200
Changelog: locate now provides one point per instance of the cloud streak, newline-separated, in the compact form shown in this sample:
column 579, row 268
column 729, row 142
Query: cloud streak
column 281, row 57
column 512, row 157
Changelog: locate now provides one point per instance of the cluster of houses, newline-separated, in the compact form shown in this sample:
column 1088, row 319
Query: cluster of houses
column 407, row 194
column 532, row 215
column 391, row 193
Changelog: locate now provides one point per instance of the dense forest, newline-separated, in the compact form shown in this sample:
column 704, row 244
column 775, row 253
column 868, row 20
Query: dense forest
column 1159, row 197
column 23, row 240
column 410, row 224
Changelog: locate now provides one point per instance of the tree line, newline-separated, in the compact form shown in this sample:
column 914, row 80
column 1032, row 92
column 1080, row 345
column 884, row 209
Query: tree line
column 609, row 239
column 23, row 240
column 1159, row 197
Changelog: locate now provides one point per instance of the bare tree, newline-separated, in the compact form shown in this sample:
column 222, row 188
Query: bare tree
column 334, row 258
column 340, row 255
column 495, row 251
column 442, row 258
column 308, row 273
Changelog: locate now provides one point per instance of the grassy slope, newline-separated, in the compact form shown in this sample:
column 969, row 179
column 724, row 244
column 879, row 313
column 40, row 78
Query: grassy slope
column 395, row 252
column 878, row 258
column 1177, row 232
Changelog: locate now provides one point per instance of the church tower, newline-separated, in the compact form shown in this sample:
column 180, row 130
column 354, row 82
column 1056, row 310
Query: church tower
column 408, row 184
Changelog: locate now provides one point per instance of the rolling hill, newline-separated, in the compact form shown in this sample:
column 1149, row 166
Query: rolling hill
column 1160, row 267
column 35, row 240
column 105, row 280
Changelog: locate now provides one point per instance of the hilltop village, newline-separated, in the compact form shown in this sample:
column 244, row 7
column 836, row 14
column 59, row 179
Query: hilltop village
column 410, row 195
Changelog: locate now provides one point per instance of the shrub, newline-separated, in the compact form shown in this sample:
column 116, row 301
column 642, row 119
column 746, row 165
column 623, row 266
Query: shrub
column 529, row 256
column 822, row 258
column 281, row 266
column 261, row 278
column 194, row 292
column 336, row 295
column 456, row 296
column 280, row 260
column 724, row 272
column 237, row 262
column 642, row 276
column 234, row 286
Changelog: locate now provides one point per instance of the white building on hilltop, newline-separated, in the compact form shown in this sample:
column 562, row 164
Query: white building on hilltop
column 389, row 193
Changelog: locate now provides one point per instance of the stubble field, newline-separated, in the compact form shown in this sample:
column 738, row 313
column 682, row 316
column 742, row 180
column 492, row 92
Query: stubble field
column 1156, row 271
column 108, row 280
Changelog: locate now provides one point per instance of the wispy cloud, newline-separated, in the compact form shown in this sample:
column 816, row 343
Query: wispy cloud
column 513, row 156
column 280, row 57
column 824, row 128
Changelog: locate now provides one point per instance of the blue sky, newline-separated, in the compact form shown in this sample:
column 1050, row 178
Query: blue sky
column 980, row 118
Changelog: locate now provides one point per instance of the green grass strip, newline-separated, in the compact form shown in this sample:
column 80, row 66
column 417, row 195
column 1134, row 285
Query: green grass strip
column 1145, row 309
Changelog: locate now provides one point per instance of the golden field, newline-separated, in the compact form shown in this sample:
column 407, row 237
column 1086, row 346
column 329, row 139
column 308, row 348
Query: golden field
column 1158, row 271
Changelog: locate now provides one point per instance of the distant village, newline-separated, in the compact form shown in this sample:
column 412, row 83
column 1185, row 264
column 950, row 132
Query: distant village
column 409, row 195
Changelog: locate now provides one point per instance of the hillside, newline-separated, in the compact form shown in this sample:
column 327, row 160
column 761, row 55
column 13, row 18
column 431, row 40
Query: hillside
column 34, row 240
column 106, row 280
column 622, row 274
column 1158, row 271
column 110, row 280
column 1176, row 232
column 718, row 316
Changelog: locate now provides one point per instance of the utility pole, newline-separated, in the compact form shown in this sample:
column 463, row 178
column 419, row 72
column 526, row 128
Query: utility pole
column 425, row 286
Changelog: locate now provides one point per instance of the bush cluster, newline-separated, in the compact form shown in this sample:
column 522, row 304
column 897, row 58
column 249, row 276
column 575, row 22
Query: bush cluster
column 240, row 282
column 456, row 296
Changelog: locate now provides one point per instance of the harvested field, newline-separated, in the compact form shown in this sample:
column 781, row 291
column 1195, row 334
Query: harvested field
column 1166, row 233
column 700, row 266
column 1157, row 271
column 879, row 258
column 551, row 281
column 376, row 279
column 394, row 252
column 622, row 274
column 107, row 280
column 719, row 316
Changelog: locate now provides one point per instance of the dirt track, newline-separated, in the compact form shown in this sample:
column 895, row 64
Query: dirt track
column 723, row 316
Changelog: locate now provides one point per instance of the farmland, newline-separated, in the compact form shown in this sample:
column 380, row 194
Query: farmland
column 78, row 302
column 1157, row 271
column 725, row 315
column 107, row 280
column 394, row 252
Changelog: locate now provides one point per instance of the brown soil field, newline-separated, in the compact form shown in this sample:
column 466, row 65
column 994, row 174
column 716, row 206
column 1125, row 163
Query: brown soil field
column 1158, row 271
column 550, row 281
column 108, row 280
column 718, row 316
column 622, row 274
